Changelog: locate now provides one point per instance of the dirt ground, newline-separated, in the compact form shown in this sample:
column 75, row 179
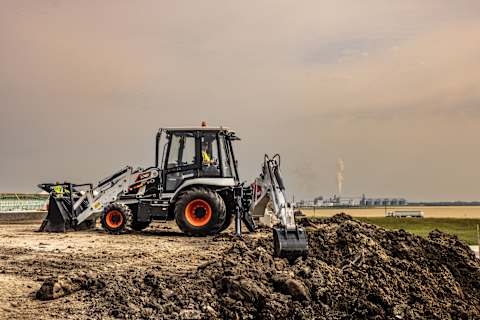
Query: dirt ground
column 27, row 258
column 354, row 270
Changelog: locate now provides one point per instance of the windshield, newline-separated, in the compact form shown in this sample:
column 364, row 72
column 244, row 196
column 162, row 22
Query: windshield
column 182, row 150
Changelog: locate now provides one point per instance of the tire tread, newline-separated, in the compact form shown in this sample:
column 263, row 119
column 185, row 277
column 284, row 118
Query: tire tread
column 125, row 210
column 217, row 203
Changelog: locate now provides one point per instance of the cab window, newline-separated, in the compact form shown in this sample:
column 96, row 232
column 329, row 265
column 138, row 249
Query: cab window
column 182, row 150
column 181, row 160
column 209, row 154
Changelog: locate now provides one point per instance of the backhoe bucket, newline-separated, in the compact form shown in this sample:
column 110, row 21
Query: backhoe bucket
column 289, row 244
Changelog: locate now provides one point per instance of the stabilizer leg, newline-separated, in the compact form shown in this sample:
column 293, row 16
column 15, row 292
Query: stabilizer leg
column 238, row 224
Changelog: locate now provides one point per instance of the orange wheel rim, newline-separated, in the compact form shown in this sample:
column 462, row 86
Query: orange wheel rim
column 114, row 219
column 198, row 212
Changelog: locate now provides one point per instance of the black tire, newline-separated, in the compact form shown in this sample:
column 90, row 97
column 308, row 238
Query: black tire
column 198, row 221
column 138, row 226
column 115, row 218
column 228, row 221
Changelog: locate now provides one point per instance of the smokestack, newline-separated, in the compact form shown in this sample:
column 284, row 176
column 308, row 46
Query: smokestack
column 340, row 169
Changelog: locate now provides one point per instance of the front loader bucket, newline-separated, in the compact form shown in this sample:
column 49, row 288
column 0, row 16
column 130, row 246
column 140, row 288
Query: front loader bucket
column 59, row 219
column 290, row 244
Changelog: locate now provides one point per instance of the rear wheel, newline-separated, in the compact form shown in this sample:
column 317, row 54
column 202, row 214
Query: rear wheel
column 115, row 217
column 200, row 212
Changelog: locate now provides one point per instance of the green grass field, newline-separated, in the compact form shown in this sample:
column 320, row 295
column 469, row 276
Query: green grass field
column 465, row 229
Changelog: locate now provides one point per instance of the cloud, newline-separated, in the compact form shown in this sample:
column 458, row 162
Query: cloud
column 426, row 75
column 389, row 86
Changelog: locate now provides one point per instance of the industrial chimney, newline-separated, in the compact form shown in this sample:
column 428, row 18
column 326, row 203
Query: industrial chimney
column 340, row 169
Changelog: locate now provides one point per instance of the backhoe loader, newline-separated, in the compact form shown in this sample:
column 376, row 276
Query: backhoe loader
column 193, row 181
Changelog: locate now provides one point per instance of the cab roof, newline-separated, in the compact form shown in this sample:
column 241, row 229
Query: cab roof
column 225, row 130
column 173, row 129
column 195, row 128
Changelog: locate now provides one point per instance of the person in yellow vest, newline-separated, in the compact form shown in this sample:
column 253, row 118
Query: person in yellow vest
column 58, row 189
column 206, row 159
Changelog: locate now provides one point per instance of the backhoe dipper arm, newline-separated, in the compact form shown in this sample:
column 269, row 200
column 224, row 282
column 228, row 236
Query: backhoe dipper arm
column 276, row 189
column 289, row 240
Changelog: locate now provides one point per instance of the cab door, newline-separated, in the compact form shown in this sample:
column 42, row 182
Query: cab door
column 182, row 161
column 210, row 156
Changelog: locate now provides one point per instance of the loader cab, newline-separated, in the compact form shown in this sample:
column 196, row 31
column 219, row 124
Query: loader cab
column 190, row 153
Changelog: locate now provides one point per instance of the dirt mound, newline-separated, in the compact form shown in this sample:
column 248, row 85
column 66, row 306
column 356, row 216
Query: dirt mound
column 354, row 271
column 56, row 287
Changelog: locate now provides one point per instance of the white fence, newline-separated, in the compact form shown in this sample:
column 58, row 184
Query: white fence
column 7, row 205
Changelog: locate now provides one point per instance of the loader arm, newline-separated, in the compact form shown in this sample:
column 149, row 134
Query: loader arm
column 111, row 188
column 74, row 207
column 289, row 240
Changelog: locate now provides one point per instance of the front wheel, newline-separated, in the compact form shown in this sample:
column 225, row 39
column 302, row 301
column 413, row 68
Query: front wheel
column 115, row 217
column 200, row 212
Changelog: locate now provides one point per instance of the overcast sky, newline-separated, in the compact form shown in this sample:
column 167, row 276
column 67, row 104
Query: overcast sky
column 392, row 87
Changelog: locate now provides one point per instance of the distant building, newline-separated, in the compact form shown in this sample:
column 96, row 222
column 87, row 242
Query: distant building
column 338, row 201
